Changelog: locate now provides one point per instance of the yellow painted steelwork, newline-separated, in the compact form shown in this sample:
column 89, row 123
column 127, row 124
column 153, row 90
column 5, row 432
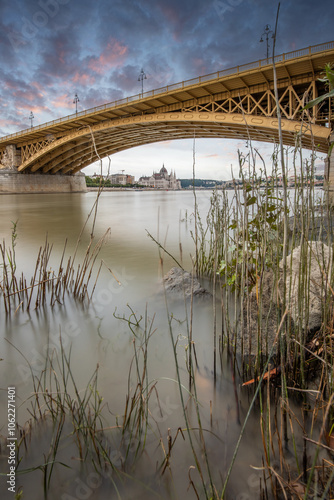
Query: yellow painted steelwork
column 237, row 103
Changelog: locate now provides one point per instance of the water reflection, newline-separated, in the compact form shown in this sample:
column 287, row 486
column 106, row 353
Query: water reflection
column 97, row 336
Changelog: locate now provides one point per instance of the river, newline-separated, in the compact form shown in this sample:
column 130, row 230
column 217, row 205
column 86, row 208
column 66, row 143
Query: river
column 96, row 336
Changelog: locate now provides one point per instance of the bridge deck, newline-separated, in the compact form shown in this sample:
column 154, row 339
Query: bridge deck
column 298, row 67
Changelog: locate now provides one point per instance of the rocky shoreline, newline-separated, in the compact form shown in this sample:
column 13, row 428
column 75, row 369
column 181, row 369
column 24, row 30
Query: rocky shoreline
column 262, row 308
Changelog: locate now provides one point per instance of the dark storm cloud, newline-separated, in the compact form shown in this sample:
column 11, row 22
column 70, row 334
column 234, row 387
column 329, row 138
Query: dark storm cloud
column 54, row 48
column 30, row 23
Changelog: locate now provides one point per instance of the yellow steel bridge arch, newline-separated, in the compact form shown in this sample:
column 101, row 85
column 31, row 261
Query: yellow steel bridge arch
column 235, row 103
column 76, row 150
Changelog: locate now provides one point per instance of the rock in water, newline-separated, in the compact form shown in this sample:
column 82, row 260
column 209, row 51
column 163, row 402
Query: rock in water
column 306, row 288
column 261, row 316
column 182, row 282
column 307, row 285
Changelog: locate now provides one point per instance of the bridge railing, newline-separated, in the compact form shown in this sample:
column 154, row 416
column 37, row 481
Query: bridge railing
column 181, row 85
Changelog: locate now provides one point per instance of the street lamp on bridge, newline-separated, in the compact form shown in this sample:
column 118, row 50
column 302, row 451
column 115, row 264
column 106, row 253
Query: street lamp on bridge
column 266, row 33
column 75, row 101
column 31, row 117
column 141, row 78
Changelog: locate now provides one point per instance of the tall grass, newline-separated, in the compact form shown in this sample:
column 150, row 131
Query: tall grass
column 81, row 417
column 46, row 286
column 252, row 232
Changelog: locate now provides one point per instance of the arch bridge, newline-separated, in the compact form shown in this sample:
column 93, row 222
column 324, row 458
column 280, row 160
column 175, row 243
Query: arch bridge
column 235, row 103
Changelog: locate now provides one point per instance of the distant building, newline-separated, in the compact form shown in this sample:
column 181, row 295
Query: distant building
column 98, row 176
column 122, row 179
column 161, row 180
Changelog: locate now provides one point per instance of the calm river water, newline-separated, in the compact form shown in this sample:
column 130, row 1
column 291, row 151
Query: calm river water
column 97, row 337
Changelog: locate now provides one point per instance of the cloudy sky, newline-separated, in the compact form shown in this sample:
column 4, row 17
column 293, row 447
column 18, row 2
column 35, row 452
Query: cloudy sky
column 53, row 49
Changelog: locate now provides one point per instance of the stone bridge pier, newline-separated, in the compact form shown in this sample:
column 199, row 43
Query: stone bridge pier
column 11, row 159
column 13, row 181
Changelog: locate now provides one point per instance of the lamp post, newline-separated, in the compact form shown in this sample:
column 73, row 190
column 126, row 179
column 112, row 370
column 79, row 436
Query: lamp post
column 266, row 33
column 141, row 79
column 31, row 117
column 75, row 101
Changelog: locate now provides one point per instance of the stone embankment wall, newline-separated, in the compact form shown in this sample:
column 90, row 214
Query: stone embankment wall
column 13, row 182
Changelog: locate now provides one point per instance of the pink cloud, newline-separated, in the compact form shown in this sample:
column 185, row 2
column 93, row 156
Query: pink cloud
column 61, row 56
column 83, row 79
column 27, row 95
column 112, row 56
column 164, row 144
column 10, row 84
column 62, row 101
column 37, row 85
column 211, row 156
column 5, row 123
column 35, row 109
column 200, row 66
column 173, row 18
column 170, row 14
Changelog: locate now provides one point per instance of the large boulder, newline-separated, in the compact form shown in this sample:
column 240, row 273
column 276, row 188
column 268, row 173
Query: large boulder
column 308, row 272
column 261, row 313
column 178, row 281
column 308, row 269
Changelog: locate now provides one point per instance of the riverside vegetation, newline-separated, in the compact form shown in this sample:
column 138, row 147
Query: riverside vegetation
column 240, row 243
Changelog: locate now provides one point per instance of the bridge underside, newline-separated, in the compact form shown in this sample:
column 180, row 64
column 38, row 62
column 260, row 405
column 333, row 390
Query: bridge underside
column 80, row 148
